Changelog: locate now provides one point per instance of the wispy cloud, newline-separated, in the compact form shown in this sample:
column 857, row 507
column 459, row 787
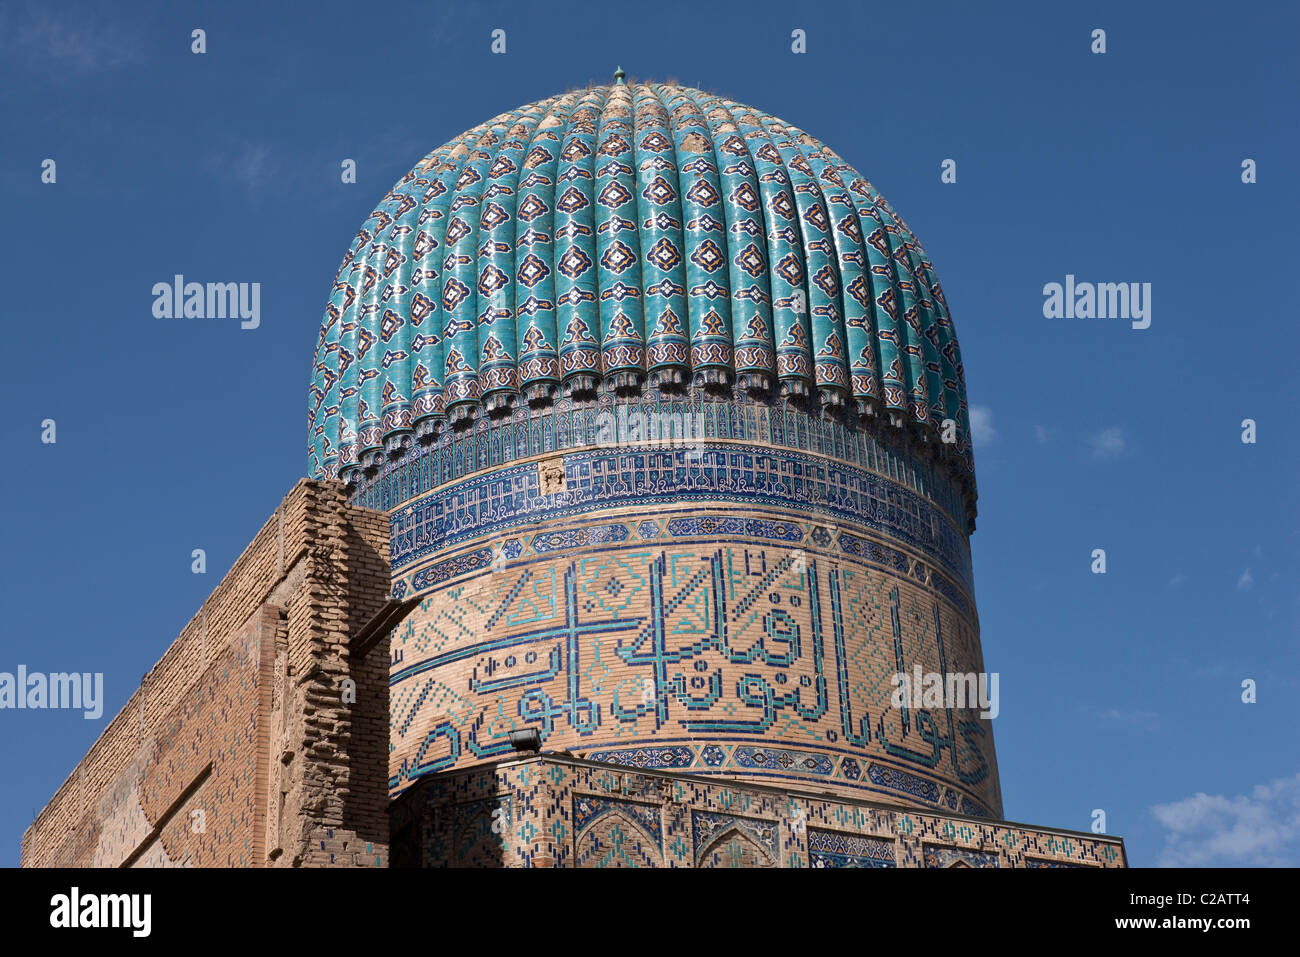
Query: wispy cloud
column 1261, row 829
column 251, row 165
column 1177, row 580
column 1246, row 582
column 981, row 425
column 72, row 43
column 1043, row 434
column 1108, row 443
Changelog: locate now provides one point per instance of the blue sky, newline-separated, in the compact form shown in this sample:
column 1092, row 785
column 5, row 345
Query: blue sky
column 1119, row 691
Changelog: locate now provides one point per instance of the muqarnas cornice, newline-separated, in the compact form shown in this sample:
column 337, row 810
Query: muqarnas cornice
column 905, row 455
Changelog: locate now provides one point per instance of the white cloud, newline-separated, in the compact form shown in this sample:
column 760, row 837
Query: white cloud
column 1246, row 581
column 1108, row 443
column 981, row 425
column 1261, row 829
column 1043, row 434
column 1177, row 580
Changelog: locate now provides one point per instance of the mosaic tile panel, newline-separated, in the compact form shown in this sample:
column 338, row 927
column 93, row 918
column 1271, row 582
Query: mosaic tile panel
column 833, row 849
column 746, row 659
column 936, row 856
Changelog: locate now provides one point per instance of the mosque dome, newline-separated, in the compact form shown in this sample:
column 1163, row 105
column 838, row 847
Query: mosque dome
column 665, row 409
column 622, row 238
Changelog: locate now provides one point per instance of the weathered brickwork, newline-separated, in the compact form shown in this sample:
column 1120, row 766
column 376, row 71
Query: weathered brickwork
column 238, row 748
column 556, row 811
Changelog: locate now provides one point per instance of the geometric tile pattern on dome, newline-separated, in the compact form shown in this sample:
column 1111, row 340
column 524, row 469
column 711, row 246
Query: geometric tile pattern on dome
column 565, row 812
column 619, row 230
column 735, row 658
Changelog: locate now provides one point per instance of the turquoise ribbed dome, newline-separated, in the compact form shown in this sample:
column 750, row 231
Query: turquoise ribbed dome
column 626, row 237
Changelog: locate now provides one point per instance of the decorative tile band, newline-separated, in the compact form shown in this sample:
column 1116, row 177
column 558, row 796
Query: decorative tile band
column 732, row 760
column 699, row 526
column 578, row 537
column 568, row 427
column 904, row 783
column 678, row 757
column 418, row 578
column 617, row 479
column 783, row 759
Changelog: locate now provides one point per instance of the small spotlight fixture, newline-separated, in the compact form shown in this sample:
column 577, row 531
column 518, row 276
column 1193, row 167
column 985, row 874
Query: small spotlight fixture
column 526, row 740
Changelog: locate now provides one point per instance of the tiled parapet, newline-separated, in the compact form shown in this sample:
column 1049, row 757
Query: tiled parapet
column 552, row 810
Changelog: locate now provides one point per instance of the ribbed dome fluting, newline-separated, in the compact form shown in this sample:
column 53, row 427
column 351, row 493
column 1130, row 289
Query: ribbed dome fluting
column 623, row 237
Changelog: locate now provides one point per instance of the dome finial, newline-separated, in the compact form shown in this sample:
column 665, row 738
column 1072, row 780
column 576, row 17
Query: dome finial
column 620, row 77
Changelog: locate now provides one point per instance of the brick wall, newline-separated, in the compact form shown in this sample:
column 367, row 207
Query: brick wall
column 243, row 746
